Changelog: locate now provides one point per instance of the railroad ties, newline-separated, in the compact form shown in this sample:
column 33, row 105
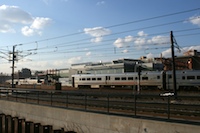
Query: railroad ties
column 9, row 124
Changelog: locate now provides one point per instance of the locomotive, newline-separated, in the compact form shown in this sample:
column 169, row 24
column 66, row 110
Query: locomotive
column 185, row 79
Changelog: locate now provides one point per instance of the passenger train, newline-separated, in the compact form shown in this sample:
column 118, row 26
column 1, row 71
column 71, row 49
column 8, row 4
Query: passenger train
column 185, row 79
column 24, row 81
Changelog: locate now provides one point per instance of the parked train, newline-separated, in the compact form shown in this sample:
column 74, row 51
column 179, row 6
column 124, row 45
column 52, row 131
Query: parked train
column 185, row 79
column 25, row 81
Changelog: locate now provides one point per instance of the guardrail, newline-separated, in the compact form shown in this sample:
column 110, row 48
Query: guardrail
column 186, row 109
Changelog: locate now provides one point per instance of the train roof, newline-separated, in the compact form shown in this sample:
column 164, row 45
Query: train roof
column 128, row 73
column 143, row 72
column 184, row 71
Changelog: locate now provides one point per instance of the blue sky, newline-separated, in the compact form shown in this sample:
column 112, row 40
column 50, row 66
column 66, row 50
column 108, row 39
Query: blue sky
column 53, row 34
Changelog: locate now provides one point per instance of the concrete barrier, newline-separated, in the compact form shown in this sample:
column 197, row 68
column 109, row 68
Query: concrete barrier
column 86, row 122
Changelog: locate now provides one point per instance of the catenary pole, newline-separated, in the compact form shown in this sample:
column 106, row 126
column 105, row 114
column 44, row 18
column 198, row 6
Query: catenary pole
column 173, row 65
column 13, row 65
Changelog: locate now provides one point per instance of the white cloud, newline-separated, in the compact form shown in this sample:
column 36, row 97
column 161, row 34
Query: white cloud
column 167, row 53
column 97, row 32
column 100, row 3
column 13, row 16
column 150, row 55
column 158, row 40
column 38, row 24
column 128, row 39
column 141, row 33
column 6, row 28
column 59, row 63
column 140, row 40
column 125, row 51
column 27, row 31
column 42, row 65
column 195, row 20
column 88, row 53
column 97, row 39
column 47, row 2
column 74, row 60
column 120, row 42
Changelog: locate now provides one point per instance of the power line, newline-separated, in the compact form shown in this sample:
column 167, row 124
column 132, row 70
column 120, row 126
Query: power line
column 82, row 47
column 80, row 42
column 161, row 16
column 117, row 25
column 72, row 43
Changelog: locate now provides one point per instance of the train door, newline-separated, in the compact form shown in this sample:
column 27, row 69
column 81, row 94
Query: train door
column 107, row 80
column 164, row 87
column 169, row 81
column 73, row 82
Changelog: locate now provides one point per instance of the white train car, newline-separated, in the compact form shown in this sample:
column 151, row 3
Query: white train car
column 147, row 79
column 185, row 79
column 23, row 81
column 88, row 80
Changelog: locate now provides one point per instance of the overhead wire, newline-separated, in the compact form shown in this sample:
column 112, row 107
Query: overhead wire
column 68, row 49
column 116, row 25
column 67, row 44
column 86, row 39
column 80, row 42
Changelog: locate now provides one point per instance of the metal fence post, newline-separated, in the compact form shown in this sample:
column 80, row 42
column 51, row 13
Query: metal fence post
column 168, row 108
column 26, row 96
column 67, row 100
column 7, row 94
column 38, row 97
column 16, row 91
column 108, row 103
column 51, row 99
column 85, row 101
column 135, row 99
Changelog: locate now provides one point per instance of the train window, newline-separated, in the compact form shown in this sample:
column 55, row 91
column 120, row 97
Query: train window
column 83, row 79
column 130, row 78
column 93, row 78
column 158, row 77
column 88, row 78
column 79, row 79
column 117, row 78
column 144, row 78
column 198, row 77
column 183, row 77
column 98, row 78
column 123, row 78
column 190, row 77
column 135, row 78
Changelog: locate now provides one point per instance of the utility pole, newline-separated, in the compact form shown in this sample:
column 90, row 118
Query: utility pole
column 139, row 75
column 13, row 65
column 173, row 64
